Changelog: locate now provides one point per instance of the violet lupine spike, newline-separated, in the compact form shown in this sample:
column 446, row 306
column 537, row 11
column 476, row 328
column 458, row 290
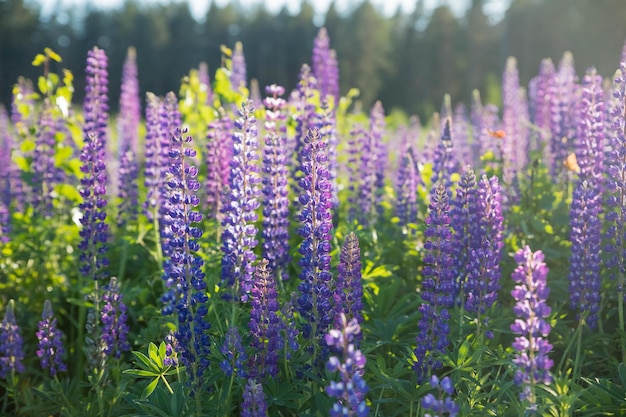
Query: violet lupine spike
column 443, row 404
column 513, row 139
column 349, row 285
column 477, row 119
column 205, row 81
column 562, row 108
column 460, row 136
column 234, row 354
column 45, row 173
column 324, row 66
column 6, row 175
column 407, row 183
column 186, row 296
column 155, row 163
column 531, row 326
column 94, row 230
column 616, row 183
column 11, row 344
column 443, row 162
column 218, row 156
column 328, row 130
column 238, row 75
column 437, row 286
column 114, row 318
column 275, row 179
column 351, row 390
column 585, row 260
column 590, row 140
column 50, row 350
column 464, row 219
column 542, row 107
column 362, row 174
column 289, row 328
column 315, row 302
column 241, row 202
column 254, row 404
column 264, row 324
column 379, row 148
column 305, row 114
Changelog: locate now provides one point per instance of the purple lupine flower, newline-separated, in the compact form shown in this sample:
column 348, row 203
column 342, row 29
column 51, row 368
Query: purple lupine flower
column 349, row 286
column 483, row 268
column 562, row 108
column 219, row 149
column 264, row 324
column 585, row 260
column 205, row 82
column 289, row 328
column 477, row 120
column 6, row 175
column 437, row 287
column 443, row 403
column 328, row 131
column 350, row 391
column 616, row 182
column 541, row 107
column 238, row 75
column 460, row 136
column 114, row 316
column 128, row 137
column 531, row 344
column 254, row 404
column 590, row 135
column 275, row 231
column 362, row 175
column 464, row 216
column 45, row 173
column 305, row 114
column 50, row 350
column 377, row 131
column 239, row 238
column 11, row 344
column 443, row 161
column 94, row 231
column 234, row 354
column 154, row 166
column 325, row 67
column 408, row 180
column 171, row 349
column 513, row 144
column 315, row 302
column 186, row 296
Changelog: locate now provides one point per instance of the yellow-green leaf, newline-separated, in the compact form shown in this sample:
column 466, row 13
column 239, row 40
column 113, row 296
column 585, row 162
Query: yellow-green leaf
column 53, row 55
column 42, row 83
column 39, row 59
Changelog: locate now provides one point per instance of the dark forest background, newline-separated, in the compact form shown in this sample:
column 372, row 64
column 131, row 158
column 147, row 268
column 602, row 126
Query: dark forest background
column 409, row 60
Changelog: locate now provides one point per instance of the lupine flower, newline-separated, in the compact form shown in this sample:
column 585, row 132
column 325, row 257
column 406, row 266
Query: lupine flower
column 324, row 66
column 234, row 361
column 443, row 161
column 408, row 180
column 362, row 175
column 128, row 125
column 531, row 345
column 616, row 182
column 11, row 344
column 590, row 138
column 275, row 232
column 288, row 327
column 563, row 121
column 541, row 107
column 218, row 156
column 315, row 302
column 114, row 317
column 464, row 216
column 254, row 404
column 379, row 149
column 437, row 287
column 328, row 131
column 238, row 75
column 6, row 175
column 239, row 238
column 444, row 403
column 154, row 174
column 350, row 391
column 460, row 136
column 585, row 260
column 45, row 173
column 50, row 350
column 186, row 296
column 205, row 82
column 305, row 114
column 94, row 231
column 264, row 324
column 349, row 286
column 171, row 350
column 513, row 143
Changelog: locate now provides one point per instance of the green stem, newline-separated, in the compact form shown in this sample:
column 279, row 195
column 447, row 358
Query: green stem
column 579, row 342
column 620, row 311
column 167, row 384
column 63, row 396
column 123, row 260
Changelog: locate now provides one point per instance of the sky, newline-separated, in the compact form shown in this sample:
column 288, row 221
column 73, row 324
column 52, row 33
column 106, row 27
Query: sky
column 494, row 8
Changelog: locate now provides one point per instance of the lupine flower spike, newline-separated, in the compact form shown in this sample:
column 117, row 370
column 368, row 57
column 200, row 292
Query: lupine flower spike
column 254, row 404
column 11, row 344
column 351, row 389
column 443, row 404
column 50, row 348
column 532, row 346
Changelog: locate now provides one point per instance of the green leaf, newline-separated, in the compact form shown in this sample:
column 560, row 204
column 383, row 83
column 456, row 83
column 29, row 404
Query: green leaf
column 622, row 373
column 39, row 59
column 150, row 388
column 146, row 361
column 141, row 373
column 21, row 162
column 68, row 191
column 27, row 146
column 42, row 83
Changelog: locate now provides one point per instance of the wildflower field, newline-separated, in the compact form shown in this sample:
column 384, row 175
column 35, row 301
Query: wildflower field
column 231, row 250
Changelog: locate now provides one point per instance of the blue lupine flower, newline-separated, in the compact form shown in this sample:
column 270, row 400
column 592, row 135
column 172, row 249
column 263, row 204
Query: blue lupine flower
column 254, row 404
column 315, row 302
column 349, row 286
column 443, row 403
column 218, row 156
column 437, row 286
column 531, row 345
column 50, row 350
column 114, row 316
column 264, row 324
column 325, row 66
column 238, row 75
column 239, row 237
column 11, row 344
column 235, row 357
column 351, row 389
column 590, row 138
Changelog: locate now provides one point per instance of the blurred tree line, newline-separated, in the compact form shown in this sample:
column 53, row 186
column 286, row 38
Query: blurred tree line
column 409, row 60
